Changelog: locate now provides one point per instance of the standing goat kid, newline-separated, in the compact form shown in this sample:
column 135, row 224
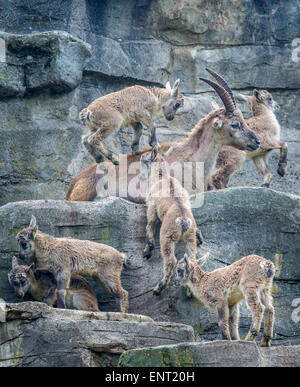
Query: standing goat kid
column 169, row 202
column 64, row 256
column 133, row 106
column 42, row 286
column 249, row 278
column 266, row 127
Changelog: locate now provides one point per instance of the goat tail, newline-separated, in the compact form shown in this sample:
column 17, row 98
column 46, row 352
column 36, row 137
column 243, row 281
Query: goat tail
column 84, row 115
column 268, row 268
column 128, row 263
column 184, row 223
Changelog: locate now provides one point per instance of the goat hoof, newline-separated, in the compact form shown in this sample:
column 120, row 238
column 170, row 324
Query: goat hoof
column 266, row 185
column 281, row 171
column 156, row 291
column 147, row 255
column 265, row 343
column 99, row 159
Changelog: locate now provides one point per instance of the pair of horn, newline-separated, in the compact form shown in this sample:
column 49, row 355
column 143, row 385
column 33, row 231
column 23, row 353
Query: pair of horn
column 223, row 90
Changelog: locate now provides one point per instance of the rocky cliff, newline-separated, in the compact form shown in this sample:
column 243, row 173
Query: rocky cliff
column 58, row 57
column 235, row 222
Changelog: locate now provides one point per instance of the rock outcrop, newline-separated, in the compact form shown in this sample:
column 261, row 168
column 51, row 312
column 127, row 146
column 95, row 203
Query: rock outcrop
column 235, row 222
column 36, row 335
column 216, row 354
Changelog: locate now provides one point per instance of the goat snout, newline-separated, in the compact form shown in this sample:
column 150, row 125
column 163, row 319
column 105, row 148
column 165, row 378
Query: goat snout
column 19, row 294
column 170, row 117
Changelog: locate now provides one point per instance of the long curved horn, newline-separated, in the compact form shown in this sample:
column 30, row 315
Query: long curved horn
column 223, row 94
column 222, row 82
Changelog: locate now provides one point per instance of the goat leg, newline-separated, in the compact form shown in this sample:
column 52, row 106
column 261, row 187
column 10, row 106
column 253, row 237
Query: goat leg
column 223, row 314
column 63, row 281
column 138, row 130
column 282, row 159
column 199, row 237
column 91, row 150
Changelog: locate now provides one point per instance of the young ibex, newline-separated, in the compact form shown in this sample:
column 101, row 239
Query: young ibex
column 249, row 278
column 64, row 256
column 169, row 202
column 220, row 127
column 133, row 106
column 266, row 127
column 41, row 284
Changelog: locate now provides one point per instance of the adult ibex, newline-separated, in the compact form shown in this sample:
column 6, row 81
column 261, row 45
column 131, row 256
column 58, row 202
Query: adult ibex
column 221, row 127
column 133, row 106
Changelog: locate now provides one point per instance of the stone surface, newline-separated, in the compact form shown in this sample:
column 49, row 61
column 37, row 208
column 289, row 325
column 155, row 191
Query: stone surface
column 35, row 335
column 235, row 222
column 43, row 61
column 249, row 42
column 216, row 354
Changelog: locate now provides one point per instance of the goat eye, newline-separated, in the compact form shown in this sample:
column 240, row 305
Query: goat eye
column 270, row 99
column 176, row 106
column 236, row 126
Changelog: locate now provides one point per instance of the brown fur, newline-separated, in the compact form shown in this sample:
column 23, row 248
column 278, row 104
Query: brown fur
column 266, row 127
column 42, row 286
column 64, row 256
column 202, row 145
column 249, row 278
column 133, row 106
column 169, row 202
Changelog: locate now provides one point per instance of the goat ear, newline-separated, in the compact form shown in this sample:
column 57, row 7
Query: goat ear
column 29, row 268
column 203, row 259
column 33, row 225
column 14, row 262
column 32, row 221
column 186, row 260
column 166, row 154
column 168, row 86
column 175, row 88
column 256, row 94
column 214, row 104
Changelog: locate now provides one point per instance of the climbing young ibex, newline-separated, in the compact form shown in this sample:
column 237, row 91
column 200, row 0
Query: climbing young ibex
column 220, row 127
column 133, row 106
column 266, row 127
column 42, row 286
column 169, row 202
column 64, row 256
column 249, row 278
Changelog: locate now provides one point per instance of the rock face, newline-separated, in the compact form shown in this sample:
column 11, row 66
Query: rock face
column 35, row 335
column 235, row 222
column 216, row 354
column 251, row 43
